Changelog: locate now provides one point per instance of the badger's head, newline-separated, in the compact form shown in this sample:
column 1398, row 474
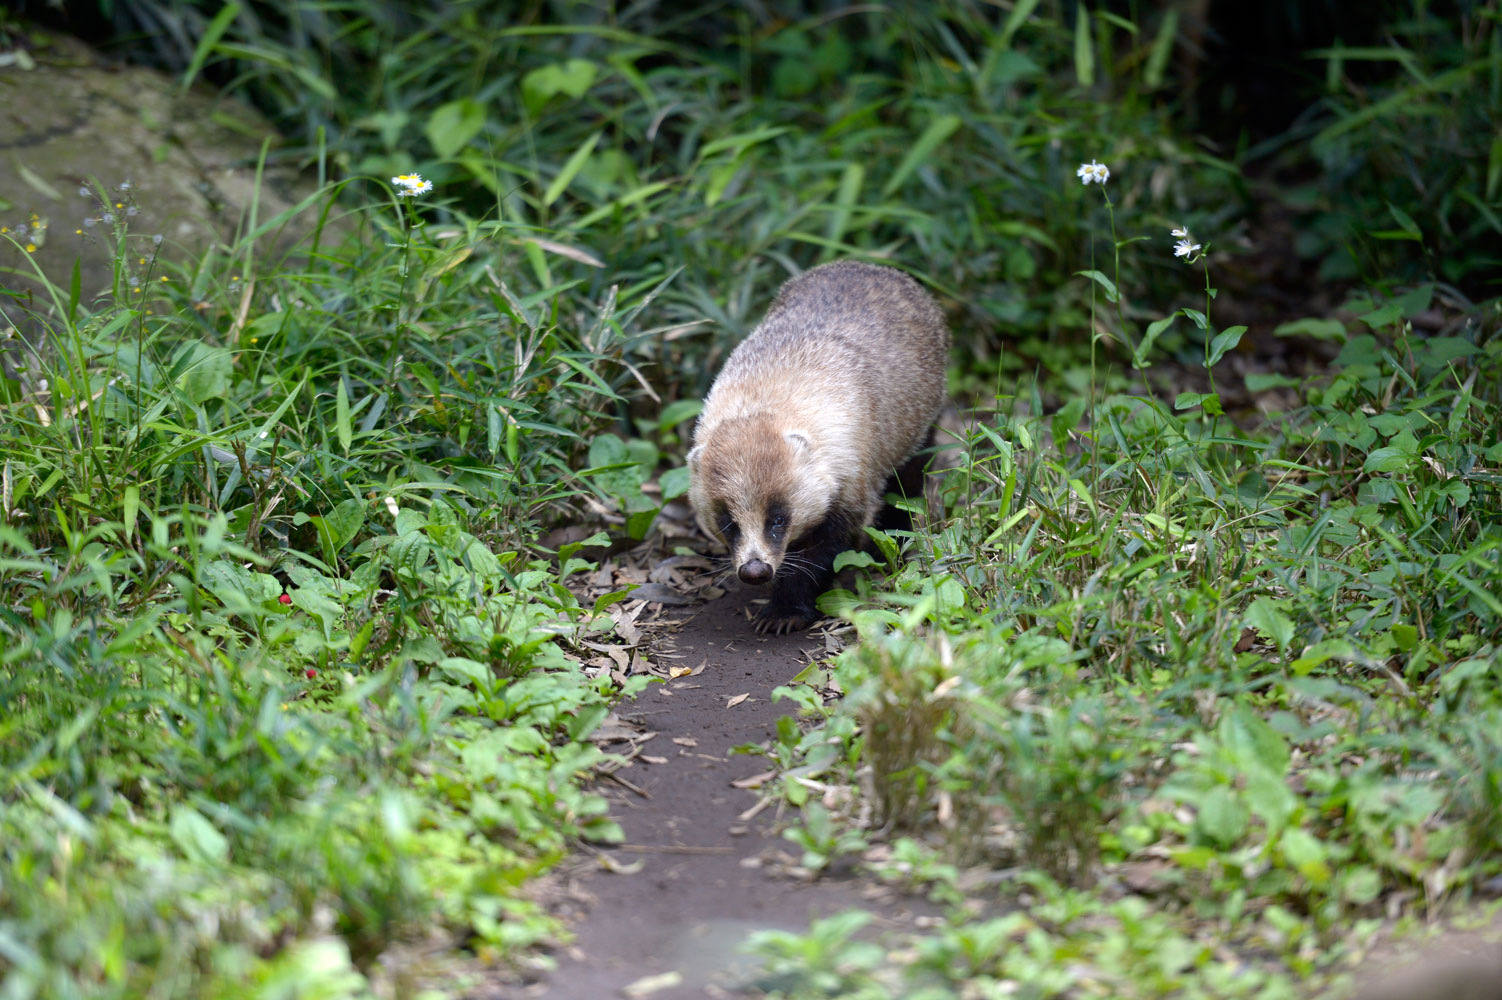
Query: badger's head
column 758, row 486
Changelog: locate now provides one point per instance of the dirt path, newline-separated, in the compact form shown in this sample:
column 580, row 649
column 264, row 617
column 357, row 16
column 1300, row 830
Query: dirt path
column 699, row 890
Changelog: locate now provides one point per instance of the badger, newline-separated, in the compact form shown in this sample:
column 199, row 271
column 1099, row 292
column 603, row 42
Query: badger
column 833, row 394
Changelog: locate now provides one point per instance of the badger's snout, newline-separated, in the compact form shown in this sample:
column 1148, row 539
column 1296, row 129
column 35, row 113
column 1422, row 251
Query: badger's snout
column 755, row 572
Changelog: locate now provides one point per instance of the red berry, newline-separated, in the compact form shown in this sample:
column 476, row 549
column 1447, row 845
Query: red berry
column 285, row 598
column 310, row 673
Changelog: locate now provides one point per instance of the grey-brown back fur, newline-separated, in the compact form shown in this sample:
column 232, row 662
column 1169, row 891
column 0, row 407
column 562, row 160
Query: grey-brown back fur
column 853, row 356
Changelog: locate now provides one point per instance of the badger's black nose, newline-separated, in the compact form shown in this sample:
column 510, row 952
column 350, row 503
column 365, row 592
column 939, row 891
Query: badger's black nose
column 754, row 572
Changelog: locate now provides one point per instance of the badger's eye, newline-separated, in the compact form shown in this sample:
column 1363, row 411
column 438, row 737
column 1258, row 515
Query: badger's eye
column 777, row 521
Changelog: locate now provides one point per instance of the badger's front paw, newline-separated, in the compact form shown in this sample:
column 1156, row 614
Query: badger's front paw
column 781, row 618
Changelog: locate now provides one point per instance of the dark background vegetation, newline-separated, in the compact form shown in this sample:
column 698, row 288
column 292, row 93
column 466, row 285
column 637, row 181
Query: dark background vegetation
column 1260, row 85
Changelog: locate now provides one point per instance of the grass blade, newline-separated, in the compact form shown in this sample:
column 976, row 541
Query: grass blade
column 570, row 169
column 938, row 130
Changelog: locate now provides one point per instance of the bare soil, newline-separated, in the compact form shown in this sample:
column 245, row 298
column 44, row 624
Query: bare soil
column 701, row 868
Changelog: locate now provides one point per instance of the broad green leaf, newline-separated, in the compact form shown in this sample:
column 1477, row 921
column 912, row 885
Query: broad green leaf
column 1208, row 401
column 345, row 521
column 467, row 672
column 1154, row 331
column 1359, row 885
column 613, row 597
column 1270, row 797
column 1103, row 281
column 1267, row 617
column 674, row 482
column 196, row 837
column 677, row 412
column 1224, row 341
column 1068, row 418
column 1386, row 315
column 1251, row 742
column 1318, row 329
column 1403, row 219
column 1320, row 652
column 203, row 371
column 573, row 78
column 1263, row 381
column 566, row 552
column 1221, row 817
column 1400, row 455
column 1306, row 855
column 853, row 557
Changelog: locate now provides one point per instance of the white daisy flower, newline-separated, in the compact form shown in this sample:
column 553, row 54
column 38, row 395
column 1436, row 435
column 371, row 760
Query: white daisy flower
column 1184, row 248
column 1181, row 233
column 1092, row 171
column 411, row 185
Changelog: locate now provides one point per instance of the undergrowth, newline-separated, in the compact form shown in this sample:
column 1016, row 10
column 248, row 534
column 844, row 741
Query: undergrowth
column 290, row 684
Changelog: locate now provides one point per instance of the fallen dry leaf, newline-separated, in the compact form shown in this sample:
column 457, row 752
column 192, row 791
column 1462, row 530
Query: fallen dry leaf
column 737, row 699
column 647, row 985
column 659, row 593
column 685, row 741
column 1146, row 877
column 754, row 781
column 621, row 867
column 613, row 730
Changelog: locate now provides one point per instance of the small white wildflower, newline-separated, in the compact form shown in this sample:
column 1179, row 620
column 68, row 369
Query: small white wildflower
column 125, row 185
column 85, row 192
column 411, row 185
column 1184, row 248
column 1092, row 171
column 1181, row 233
column 107, row 217
column 42, row 384
column 262, row 435
column 89, row 223
column 391, row 506
column 157, row 239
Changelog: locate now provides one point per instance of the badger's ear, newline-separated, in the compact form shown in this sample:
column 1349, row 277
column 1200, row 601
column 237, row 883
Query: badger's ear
column 693, row 457
column 799, row 440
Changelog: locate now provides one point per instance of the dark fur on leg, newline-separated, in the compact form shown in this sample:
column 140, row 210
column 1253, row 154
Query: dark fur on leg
column 805, row 573
column 907, row 482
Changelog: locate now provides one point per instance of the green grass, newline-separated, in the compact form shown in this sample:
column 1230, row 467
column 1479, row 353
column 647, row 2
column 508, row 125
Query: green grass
column 290, row 686
column 1255, row 669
